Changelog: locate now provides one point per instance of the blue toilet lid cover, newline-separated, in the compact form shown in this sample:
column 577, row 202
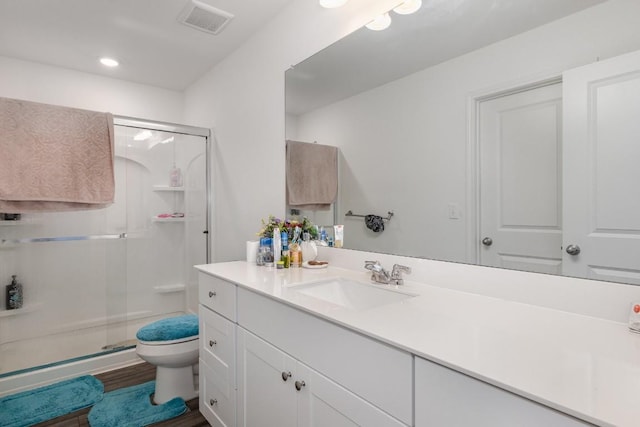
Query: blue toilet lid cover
column 172, row 328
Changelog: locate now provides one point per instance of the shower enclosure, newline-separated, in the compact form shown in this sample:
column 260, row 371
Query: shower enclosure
column 92, row 278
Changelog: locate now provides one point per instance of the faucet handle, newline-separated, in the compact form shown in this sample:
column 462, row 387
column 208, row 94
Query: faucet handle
column 373, row 265
column 396, row 273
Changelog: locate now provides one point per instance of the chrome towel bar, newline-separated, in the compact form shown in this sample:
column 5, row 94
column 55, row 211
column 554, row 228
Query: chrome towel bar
column 65, row 238
column 388, row 218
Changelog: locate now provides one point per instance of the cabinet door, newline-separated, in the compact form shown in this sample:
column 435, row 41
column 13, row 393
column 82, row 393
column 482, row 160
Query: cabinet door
column 266, row 392
column 321, row 403
column 444, row 397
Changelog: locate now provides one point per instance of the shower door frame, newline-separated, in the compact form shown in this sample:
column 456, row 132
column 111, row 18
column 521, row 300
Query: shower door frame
column 133, row 122
column 99, row 362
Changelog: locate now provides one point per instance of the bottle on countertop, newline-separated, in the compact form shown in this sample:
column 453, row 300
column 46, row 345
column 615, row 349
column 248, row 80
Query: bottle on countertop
column 14, row 294
column 277, row 244
column 285, row 256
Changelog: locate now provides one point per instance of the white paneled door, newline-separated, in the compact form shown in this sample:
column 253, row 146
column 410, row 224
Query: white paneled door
column 602, row 170
column 520, row 180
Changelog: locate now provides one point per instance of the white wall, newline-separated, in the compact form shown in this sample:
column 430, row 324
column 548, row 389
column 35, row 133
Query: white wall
column 59, row 86
column 243, row 100
column 415, row 129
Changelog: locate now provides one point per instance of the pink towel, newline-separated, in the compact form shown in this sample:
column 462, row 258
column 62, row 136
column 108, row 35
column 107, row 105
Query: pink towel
column 312, row 175
column 54, row 158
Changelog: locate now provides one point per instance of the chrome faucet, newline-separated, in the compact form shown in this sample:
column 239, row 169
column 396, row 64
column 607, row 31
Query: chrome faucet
column 380, row 275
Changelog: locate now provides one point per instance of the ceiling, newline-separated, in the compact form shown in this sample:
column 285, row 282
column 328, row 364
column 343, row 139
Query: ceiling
column 439, row 31
column 144, row 35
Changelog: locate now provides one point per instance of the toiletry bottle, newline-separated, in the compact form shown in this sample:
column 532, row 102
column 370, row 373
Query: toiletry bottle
column 175, row 177
column 267, row 251
column 277, row 244
column 285, row 256
column 295, row 253
column 14, row 294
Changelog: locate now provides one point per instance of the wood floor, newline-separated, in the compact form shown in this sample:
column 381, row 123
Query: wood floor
column 126, row 377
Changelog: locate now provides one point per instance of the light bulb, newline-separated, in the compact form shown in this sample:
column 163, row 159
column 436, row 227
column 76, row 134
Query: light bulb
column 382, row 22
column 408, row 7
column 330, row 4
column 109, row 62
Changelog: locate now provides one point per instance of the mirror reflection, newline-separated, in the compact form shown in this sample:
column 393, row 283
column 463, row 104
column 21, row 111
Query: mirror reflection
column 499, row 133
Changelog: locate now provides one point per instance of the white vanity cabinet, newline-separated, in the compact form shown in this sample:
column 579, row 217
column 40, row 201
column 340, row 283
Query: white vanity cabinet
column 274, row 389
column 217, row 315
column 444, row 397
column 349, row 379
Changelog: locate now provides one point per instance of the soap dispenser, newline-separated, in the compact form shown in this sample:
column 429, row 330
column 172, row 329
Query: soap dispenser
column 14, row 294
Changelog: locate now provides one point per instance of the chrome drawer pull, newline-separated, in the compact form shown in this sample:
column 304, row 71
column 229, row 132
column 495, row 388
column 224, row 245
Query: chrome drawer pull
column 213, row 402
column 286, row 375
column 212, row 294
column 299, row 385
column 212, row 343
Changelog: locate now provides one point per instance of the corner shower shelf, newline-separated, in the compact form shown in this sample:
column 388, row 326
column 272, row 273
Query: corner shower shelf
column 167, row 188
column 156, row 219
column 18, row 311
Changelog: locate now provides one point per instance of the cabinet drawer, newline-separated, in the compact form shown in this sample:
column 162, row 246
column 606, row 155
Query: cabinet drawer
column 218, row 343
column 375, row 371
column 217, row 398
column 218, row 295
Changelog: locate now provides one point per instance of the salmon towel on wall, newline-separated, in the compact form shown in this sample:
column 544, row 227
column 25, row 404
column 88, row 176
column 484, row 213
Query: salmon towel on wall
column 54, row 158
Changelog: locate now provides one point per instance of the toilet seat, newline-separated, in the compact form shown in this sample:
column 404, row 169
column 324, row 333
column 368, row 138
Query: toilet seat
column 169, row 342
column 172, row 330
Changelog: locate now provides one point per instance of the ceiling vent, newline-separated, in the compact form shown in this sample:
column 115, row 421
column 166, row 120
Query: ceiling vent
column 203, row 17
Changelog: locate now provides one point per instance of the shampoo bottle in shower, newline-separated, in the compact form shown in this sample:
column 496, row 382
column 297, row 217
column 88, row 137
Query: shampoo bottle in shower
column 175, row 177
column 14, row 294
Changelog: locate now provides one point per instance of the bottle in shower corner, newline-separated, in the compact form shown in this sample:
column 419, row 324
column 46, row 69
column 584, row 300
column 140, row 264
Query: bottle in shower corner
column 175, row 177
column 14, row 294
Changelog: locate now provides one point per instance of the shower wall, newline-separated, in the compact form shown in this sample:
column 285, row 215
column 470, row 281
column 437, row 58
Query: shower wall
column 92, row 278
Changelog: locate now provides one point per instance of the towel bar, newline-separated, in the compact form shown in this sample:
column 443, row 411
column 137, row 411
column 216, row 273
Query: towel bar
column 65, row 238
column 388, row 218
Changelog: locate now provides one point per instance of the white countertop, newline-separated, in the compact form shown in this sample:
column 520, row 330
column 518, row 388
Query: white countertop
column 583, row 366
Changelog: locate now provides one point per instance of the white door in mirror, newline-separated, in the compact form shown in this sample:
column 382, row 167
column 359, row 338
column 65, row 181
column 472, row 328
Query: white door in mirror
column 634, row 317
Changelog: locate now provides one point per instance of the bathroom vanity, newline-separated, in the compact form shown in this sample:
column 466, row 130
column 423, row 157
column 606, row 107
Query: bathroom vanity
column 300, row 347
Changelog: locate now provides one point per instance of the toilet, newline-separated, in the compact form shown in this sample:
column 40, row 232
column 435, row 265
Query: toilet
column 172, row 346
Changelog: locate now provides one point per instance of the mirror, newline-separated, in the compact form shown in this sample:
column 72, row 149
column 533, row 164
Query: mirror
column 406, row 107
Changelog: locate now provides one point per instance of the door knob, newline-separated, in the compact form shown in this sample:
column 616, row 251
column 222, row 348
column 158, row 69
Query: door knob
column 212, row 343
column 286, row 375
column 487, row 241
column 212, row 294
column 573, row 250
column 299, row 385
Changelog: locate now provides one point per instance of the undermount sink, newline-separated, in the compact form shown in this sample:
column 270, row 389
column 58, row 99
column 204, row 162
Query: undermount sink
column 351, row 294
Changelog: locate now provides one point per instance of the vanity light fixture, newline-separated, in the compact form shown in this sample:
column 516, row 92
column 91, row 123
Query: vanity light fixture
column 382, row 22
column 408, row 7
column 109, row 62
column 331, row 4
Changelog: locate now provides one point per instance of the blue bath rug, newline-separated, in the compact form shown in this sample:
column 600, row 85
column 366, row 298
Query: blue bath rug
column 41, row 404
column 132, row 407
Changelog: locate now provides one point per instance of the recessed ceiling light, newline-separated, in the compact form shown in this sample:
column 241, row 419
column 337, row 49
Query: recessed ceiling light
column 408, row 7
column 382, row 22
column 109, row 62
column 330, row 4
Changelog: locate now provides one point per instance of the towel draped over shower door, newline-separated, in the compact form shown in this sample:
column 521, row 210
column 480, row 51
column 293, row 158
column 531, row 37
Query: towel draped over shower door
column 54, row 158
column 312, row 175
